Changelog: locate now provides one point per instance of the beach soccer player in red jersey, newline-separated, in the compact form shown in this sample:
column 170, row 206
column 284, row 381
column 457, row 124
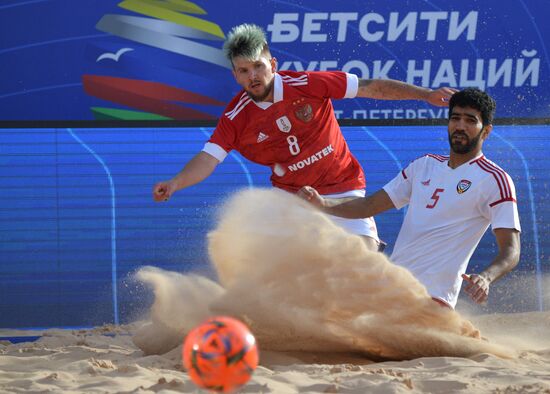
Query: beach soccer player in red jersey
column 285, row 120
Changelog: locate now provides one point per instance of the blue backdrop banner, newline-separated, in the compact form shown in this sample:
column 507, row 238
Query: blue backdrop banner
column 77, row 217
column 156, row 59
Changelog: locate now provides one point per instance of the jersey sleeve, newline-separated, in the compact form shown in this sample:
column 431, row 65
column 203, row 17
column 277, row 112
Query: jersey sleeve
column 500, row 206
column 334, row 84
column 222, row 140
column 399, row 188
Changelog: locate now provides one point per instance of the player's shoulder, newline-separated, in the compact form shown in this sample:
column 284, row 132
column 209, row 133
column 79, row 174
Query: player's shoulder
column 489, row 168
column 425, row 164
column 236, row 105
column 496, row 181
column 430, row 159
column 295, row 78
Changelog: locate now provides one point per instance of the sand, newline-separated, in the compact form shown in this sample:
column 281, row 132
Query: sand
column 328, row 315
column 90, row 361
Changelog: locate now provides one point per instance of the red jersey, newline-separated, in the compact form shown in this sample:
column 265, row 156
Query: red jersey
column 297, row 135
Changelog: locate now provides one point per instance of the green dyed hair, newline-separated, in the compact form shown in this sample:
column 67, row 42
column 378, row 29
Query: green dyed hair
column 247, row 41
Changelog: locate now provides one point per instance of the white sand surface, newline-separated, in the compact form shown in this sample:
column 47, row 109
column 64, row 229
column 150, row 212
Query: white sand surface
column 90, row 361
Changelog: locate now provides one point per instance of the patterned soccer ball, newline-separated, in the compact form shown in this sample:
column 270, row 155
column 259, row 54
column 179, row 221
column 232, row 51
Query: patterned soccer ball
column 220, row 354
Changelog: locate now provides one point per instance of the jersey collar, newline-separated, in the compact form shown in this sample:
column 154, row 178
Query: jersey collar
column 277, row 88
column 277, row 93
column 477, row 158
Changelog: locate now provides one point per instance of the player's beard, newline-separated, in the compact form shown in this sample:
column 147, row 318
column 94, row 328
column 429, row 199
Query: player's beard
column 461, row 147
column 262, row 96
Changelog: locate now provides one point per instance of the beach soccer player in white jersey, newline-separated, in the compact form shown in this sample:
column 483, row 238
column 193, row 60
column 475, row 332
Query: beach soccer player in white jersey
column 452, row 201
column 285, row 120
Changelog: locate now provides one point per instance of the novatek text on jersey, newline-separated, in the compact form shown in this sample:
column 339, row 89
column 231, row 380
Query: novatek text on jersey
column 312, row 159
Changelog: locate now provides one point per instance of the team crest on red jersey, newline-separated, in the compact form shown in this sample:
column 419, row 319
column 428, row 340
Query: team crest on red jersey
column 463, row 185
column 305, row 113
column 284, row 124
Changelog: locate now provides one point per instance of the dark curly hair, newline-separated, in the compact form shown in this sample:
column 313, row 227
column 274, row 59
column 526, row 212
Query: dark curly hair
column 477, row 99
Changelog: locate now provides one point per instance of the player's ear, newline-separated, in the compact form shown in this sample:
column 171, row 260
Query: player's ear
column 274, row 64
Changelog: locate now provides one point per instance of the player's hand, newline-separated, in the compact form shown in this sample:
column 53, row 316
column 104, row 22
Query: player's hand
column 477, row 287
column 312, row 196
column 440, row 97
column 163, row 191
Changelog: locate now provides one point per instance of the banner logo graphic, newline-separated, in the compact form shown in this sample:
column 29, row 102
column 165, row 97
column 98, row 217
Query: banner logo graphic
column 167, row 49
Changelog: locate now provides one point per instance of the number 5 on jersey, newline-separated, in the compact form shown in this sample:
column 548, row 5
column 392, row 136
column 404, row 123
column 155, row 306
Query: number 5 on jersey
column 435, row 198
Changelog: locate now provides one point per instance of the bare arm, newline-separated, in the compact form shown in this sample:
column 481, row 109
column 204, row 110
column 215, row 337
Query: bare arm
column 390, row 89
column 508, row 241
column 352, row 207
column 196, row 170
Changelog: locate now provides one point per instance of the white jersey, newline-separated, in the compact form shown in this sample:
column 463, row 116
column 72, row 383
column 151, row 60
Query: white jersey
column 449, row 211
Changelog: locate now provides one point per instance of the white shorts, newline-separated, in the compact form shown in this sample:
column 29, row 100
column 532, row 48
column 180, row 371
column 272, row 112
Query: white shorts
column 365, row 226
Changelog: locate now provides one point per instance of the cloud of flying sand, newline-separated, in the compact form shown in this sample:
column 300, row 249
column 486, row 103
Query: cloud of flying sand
column 303, row 283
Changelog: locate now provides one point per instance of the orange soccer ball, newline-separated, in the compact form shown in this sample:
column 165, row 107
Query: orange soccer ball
column 220, row 354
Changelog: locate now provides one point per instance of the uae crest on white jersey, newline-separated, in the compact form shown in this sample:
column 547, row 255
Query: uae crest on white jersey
column 463, row 185
column 284, row 124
